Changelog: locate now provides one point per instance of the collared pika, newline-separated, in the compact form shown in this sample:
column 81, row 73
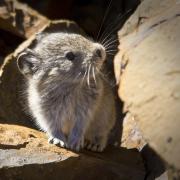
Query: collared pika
column 67, row 94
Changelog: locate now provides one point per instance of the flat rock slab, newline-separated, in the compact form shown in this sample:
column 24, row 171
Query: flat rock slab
column 25, row 154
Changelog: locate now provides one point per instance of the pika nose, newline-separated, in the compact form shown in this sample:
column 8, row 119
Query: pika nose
column 98, row 53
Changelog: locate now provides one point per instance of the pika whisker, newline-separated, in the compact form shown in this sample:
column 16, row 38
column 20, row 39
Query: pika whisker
column 111, row 54
column 94, row 76
column 105, row 36
column 88, row 77
column 77, row 75
column 108, row 40
column 84, row 75
column 112, row 50
column 108, row 43
column 105, row 15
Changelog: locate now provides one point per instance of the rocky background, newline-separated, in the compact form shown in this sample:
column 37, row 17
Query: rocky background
column 149, row 81
column 144, row 37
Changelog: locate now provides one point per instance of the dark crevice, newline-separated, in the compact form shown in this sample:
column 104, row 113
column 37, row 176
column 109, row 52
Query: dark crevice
column 19, row 146
column 32, row 136
column 8, row 43
column 154, row 165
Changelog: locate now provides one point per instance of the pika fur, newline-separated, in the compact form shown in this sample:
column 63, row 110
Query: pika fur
column 66, row 92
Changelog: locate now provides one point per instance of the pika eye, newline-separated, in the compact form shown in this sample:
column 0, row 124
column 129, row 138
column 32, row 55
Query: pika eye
column 70, row 56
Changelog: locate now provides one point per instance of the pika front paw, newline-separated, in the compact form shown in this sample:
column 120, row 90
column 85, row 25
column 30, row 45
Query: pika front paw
column 75, row 143
column 56, row 141
column 95, row 146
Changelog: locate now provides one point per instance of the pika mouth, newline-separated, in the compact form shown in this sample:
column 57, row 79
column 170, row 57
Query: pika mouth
column 89, row 74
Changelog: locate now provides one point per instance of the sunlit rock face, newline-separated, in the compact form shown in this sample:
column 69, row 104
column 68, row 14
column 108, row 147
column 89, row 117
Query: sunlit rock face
column 149, row 78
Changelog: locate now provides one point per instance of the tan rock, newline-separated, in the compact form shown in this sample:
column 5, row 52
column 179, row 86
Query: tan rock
column 25, row 154
column 20, row 19
column 132, row 136
column 149, row 82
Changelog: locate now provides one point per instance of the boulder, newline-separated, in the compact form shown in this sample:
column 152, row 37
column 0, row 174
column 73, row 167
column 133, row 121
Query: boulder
column 147, row 68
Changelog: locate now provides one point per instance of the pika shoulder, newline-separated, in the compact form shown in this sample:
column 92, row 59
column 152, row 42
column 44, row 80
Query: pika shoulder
column 66, row 93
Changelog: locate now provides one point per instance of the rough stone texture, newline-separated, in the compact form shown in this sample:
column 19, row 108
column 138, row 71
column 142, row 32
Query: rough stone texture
column 149, row 77
column 20, row 19
column 132, row 136
column 24, row 150
column 12, row 82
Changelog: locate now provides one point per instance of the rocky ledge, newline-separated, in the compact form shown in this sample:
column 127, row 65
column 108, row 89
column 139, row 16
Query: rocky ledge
column 26, row 154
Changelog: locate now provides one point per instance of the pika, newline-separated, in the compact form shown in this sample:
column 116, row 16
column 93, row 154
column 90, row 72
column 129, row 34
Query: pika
column 66, row 92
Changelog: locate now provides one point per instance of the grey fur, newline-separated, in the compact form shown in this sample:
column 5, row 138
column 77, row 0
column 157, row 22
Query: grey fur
column 69, row 99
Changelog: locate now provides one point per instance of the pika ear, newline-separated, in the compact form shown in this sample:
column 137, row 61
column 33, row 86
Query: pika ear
column 28, row 62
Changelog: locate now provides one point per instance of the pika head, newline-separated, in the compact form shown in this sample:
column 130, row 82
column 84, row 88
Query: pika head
column 62, row 55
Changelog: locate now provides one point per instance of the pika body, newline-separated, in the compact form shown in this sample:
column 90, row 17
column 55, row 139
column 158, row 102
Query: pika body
column 66, row 92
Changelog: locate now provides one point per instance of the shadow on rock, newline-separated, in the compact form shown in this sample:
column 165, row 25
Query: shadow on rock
column 154, row 165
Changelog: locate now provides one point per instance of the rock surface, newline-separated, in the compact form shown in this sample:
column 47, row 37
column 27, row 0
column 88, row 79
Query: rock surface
column 149, row 78
column 25, row 154
column 20, row 19
column 132, row 136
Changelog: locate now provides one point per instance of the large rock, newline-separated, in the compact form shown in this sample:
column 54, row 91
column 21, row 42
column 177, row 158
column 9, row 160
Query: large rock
column 25, row 154
column 150, row 74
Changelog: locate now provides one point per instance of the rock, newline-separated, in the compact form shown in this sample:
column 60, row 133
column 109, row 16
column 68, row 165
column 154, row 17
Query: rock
column 132, row 136
column 12, row 82
column 20, row 19
column 149, row 77
column 24, row 150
